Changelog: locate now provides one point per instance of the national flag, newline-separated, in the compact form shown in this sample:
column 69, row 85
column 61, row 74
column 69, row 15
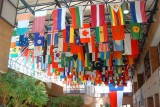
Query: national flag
column 97, row 15
column 23, row 41
column 50, row 49
column 118, row 45
column 14, row 52
column 50, row 39
column 91, row 45
column 38, row 51
column 48, row 59
column 87, row 60
column 127, row 45
column 38, row 40
column 136, row 30
column 138, row 13
column 24, row 16
column 118, row 62
column 117, row 17
column 117, row 55
column 49, row 70
column 68, row 34
column 77, row 40
column 134, row 45
column 85, row 33
column 57, row 55
column 118, row 32
column 56, row 39
column 39, row 21
column 23, row 22
column 119, row 98
column 60, row 44
column 59, row 16
column 101, row 33
column 103, row 47
column 13, row 41
column 77, row 16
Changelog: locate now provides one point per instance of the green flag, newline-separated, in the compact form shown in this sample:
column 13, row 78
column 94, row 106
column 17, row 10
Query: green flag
column 136, row 30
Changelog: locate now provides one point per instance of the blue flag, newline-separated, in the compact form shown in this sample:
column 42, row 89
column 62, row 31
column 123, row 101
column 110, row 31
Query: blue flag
column 23, row 41
column 38, row 40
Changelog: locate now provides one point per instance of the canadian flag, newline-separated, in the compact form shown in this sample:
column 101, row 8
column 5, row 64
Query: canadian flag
column 85, row 33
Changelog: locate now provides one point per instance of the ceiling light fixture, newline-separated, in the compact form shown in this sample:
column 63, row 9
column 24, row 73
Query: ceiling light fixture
column 125, row 7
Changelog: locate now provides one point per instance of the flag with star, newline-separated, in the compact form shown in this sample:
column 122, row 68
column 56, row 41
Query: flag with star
column 23, row 41
column 136, row 31
column 85, row 33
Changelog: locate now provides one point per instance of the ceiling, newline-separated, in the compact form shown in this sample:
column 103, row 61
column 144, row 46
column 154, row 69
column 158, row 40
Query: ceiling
column 37, row 5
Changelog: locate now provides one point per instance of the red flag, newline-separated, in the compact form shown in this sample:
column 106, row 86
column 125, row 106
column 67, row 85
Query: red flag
column 113, row 98
column 85, row 33
column 97, row 15
column 118, row 32
column 134, row 45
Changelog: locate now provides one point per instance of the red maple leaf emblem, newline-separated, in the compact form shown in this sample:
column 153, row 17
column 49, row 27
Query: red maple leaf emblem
column 85, row 32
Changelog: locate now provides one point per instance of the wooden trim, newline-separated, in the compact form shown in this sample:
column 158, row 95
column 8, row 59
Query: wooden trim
column 1, row 5
column 13, row 4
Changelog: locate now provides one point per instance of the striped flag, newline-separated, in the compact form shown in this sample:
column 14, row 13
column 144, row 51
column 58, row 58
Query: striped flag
column 127, row 45
column 59, row 16
column 85, row 33
column 69, row 34
column 103, row 47
column 91, row 45
column 117, row 17
column 97, row 15
column 14, row 52
column 77, row 16
column 138, row 13
column 60, row 44
column 118, row 45
column 39, row 22
column 101, row 33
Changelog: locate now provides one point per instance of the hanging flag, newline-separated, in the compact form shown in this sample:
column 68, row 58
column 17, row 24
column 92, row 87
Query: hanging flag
column 38, row 40
column 87, row 60
column 119, row 98
column 118, row 45
column 138, row 13
column 77, row 16
column 134, row 45
column 91, row 45
column 57, row 55
column 50, row 39
column 50, row 49
column 117, row 17
column 127, row 45
column 103, row 47
column 101, row 33
column 118, row 32
column 14, row 52
column 85, row 33
column 117, row 55
column 23, row 41
column 23, row 23
column 97, row 15
column 13, row 41
column 39, row 22
column 38, row 51
column 48, row 59
column 56, row 39
column 136, row 30
column 68, row 34
column 59, row 16
column 60, row 44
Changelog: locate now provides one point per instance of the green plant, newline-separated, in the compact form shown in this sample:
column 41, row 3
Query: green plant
column 20, row 90
column 66, row 101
